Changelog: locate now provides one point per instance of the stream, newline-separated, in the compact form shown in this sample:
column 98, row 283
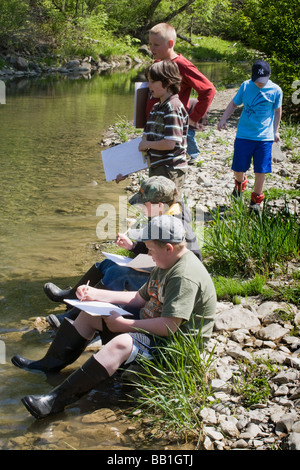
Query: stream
column 52, row 182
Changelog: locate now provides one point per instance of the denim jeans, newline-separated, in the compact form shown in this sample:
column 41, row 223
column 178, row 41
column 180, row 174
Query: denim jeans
column 121, row 278
column 192, row 146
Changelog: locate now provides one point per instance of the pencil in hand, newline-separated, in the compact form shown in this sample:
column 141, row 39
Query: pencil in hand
column 83, row 297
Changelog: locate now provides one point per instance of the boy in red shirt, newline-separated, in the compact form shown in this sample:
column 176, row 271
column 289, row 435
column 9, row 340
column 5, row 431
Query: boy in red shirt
column 162, row 39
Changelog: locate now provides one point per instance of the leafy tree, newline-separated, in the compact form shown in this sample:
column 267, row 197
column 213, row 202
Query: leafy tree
column 12, row 19
column 271, row 27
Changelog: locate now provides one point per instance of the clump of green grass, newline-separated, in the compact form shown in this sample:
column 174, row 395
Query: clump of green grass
column 212, row 48
column 175, row 386
column 234, row 288
column 125, row 129
column 288, row 293
column 276, row 193
column 290, row 134
column 239, row 242
column 252, row 383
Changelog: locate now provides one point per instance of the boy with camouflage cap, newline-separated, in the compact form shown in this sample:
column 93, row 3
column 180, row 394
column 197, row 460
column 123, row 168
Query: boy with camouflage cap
column 158, row 195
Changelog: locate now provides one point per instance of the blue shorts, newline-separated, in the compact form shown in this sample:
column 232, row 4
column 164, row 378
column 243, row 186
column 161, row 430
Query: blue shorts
column 245, row 149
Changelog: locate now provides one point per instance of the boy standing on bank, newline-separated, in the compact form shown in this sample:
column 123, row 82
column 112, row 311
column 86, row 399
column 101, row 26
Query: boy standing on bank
column 257, row 129
column 165, row 133
column 162, row 39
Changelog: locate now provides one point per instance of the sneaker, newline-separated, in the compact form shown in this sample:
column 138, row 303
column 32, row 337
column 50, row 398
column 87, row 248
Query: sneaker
column 193, row 161
column 256, row 200
column 236, row 193
column 239, row 188
column 255, row 207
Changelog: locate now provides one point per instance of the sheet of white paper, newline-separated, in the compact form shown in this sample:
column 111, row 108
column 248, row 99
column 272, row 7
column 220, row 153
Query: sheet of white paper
column 140, row 262
column 94, row 307
column 119, row 259
column 123, row 159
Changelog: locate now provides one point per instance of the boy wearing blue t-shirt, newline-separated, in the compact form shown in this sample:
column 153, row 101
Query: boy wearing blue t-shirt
column 257, row 129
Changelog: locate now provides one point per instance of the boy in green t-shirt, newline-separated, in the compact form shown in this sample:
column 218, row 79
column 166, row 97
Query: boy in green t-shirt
column 179, row 293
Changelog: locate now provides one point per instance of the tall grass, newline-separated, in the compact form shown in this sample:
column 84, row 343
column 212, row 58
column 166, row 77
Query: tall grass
column 240, row 242
column 174, row 387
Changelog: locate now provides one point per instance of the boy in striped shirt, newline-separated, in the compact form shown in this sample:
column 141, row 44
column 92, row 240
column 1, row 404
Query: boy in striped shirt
column 165, row 134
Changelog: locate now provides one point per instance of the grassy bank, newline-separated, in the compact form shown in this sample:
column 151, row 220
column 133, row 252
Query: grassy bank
column 247, row 255
column 252, row 249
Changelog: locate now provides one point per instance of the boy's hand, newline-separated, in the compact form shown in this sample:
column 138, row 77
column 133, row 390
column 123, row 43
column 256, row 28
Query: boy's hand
column 115, row 322
column 277, row 137
column 119, row 178
column 222, row 124
column 85, row 292
column 124, row 242
column 143, row 146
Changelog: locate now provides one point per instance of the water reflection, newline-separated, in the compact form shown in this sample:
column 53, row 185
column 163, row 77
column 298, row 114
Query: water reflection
column 51, row 185
column 52, row 182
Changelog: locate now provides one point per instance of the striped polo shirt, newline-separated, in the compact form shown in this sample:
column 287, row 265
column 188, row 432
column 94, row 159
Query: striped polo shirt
column 168, row 120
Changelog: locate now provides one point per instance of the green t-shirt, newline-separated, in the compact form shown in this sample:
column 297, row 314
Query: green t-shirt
column 183, row 291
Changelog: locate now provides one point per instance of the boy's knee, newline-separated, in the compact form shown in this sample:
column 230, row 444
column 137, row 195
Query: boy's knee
column 121, row 343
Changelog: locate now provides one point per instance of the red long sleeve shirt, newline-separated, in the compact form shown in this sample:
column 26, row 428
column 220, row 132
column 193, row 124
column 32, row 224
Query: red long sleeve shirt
column 192, row 79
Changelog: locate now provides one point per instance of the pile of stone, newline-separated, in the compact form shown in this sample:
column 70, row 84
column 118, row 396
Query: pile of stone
column 209, row 183
column 18, row 66
column 254, row 333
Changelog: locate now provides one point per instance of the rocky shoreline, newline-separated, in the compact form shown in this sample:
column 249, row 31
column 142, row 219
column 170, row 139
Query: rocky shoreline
column 255, row 330
column 19, row 66
column 258, row 332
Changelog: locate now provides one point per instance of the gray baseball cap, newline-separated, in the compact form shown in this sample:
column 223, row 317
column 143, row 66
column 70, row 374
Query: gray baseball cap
column 165, row 228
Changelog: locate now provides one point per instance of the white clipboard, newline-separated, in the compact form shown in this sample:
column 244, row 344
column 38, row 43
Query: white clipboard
column 123, row 159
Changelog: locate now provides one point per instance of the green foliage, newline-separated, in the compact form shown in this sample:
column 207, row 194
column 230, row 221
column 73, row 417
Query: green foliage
column 290, row 135
column 125, row 129
column 252, row 384
column 234, row 288
column 287, row 293
column 240, row 242
column 13, row 18
column 272, row 27
column 212, row 48
column 175, row 386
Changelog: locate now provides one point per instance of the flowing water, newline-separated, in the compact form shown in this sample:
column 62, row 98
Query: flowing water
column 52, row 182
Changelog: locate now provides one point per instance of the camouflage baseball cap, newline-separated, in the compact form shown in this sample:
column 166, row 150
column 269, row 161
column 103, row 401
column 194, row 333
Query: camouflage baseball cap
column 155, row 189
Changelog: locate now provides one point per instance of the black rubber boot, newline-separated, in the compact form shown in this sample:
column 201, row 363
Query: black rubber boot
column 66, row 347
column 75, row 386
column 56, row 320
column 58, row 295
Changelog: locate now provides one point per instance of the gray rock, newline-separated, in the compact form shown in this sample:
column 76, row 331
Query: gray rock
column 293, row 441
column 72, row 64
column 20, row 64
column 208, row 415
column 239, row 353
column 272, row 332
column 212, row 433
column 229, row 427
column 285, row 422
column 236, row 318
column 286, row 377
